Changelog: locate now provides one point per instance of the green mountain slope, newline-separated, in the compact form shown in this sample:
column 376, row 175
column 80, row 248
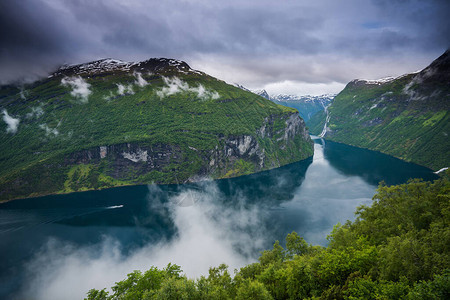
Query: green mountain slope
column 110, row 123
column 407, row 117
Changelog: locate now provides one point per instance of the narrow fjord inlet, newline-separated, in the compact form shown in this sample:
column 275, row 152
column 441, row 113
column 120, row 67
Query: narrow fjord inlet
column 136, row 227
column 235, row 150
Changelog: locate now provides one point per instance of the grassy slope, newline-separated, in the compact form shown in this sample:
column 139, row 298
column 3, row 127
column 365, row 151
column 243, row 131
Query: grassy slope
column 384, row 118
column 180, row 119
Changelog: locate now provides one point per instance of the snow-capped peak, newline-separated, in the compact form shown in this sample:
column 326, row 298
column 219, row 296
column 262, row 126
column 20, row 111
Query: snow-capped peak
column 98, row 66
column 241, row 87
column 262, row 93
column 376, row 81
column 110, row 64
column 303, row 98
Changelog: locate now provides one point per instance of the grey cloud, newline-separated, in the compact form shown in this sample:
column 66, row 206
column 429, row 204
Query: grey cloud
column 37, row 35
column 11, row 122
column 426, row 22
column 376, row 43
column 31, row 44
column 260, row 30
column 21, row 28
column 122, row 27
column 79, row 88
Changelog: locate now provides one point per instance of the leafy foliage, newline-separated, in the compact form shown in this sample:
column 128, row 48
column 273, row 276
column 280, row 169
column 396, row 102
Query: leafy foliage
column 396, row 249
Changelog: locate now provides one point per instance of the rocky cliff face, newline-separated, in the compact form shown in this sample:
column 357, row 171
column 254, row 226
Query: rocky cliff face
column 250, row 148
column 232, row 156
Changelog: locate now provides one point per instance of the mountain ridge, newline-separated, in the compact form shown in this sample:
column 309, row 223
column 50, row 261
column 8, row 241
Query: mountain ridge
column 407, row 117
column 306, row 105
column 109, row 64
column 108, row 123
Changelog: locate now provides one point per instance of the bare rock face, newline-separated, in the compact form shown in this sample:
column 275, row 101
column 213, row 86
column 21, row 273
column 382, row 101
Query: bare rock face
column 131, row 161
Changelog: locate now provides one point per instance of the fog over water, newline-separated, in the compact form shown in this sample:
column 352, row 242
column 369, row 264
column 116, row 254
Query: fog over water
column 59, row 247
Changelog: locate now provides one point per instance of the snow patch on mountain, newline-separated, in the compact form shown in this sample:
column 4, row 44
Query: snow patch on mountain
column 284, row 97
column 376, row 81
column 107, row 64
column 262, row 93
column 113, row 65
column 242, row 87
column 304, row 98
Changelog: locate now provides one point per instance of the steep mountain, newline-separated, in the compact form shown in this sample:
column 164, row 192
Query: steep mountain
column 242, row 87
column 306, row 105
column 262, row 93
column 407, row 117
column 109, row 123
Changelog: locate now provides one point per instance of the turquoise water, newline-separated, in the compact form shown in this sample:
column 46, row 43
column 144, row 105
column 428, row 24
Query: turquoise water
column 92, row 239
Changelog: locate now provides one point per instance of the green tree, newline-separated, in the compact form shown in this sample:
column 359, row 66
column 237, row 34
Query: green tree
column 252, row 290
column 295, row 245
column 276, row 255
column 218, row 285
column 437, row 288
column 407, row 258
column 94, row 294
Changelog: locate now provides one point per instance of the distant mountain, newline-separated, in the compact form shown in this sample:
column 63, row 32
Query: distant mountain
column 262, row 93
column 109, row 123
column 242, row 87
column 407, row 117
column 306, row 105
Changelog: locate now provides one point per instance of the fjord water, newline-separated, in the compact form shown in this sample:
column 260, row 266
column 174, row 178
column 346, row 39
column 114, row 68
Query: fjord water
column 60, row 246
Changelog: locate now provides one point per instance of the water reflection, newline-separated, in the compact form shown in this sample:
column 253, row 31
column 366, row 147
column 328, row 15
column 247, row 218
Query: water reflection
column 195, row 225
column 325, row 198
column 373, row 166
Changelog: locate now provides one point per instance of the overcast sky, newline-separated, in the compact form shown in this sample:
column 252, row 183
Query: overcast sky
column 293, row 47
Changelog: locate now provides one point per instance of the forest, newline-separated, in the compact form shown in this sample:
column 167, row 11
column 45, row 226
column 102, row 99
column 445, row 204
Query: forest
column 397, row 248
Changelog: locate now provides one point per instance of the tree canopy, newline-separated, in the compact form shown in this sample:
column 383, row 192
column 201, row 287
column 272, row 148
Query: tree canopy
column 397, row 248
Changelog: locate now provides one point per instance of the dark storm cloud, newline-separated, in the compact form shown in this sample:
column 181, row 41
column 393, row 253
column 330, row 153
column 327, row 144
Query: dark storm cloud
column 252, row 42
column 259, row 30
column 426, row 22
column 28, row 40
column 121, row 27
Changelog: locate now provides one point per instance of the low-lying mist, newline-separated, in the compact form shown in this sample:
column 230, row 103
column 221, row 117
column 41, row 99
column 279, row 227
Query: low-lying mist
column 209, row 232
column 94, row 239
